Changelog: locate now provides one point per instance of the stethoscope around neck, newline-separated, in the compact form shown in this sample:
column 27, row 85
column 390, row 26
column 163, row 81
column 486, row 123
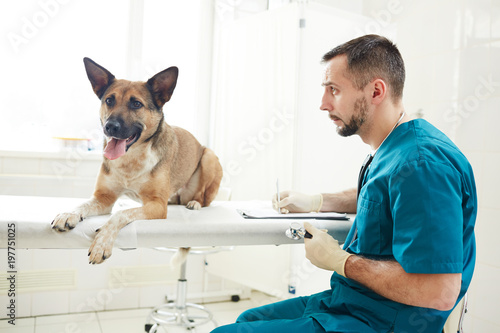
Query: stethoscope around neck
column 368, row 160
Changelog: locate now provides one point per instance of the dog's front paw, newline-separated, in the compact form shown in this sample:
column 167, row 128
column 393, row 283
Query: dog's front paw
column 193, row 204
column 66, row 221
column 101, row 247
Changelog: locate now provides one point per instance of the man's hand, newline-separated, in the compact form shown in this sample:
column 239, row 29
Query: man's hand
column 324, row 251
column 295, row 202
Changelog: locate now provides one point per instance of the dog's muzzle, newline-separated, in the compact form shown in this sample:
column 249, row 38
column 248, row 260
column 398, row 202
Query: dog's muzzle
column 113, row 127
column 121, row 137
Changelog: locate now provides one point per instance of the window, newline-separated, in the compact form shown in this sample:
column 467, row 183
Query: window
column 44, row 89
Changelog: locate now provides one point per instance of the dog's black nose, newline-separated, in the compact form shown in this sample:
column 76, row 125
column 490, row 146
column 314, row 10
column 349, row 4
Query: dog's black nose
column 112, row 127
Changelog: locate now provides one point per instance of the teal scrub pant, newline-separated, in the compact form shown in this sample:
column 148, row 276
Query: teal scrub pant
column 285, row 316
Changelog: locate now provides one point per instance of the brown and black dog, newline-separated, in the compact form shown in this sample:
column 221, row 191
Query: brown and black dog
column 144, row 158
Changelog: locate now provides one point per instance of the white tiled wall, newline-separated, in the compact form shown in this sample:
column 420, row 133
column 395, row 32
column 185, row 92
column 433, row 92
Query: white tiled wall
column 93, row 291
column 451, row 48
column 62, row 174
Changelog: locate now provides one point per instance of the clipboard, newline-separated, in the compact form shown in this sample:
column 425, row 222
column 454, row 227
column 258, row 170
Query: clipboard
column 272, row 214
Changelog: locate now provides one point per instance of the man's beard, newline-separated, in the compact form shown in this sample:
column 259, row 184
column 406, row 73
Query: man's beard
column 357, row 119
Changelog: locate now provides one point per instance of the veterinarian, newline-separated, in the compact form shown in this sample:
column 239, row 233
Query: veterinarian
column 410, row 254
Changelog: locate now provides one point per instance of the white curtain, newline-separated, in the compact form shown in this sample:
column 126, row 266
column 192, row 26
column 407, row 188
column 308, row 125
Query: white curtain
column 253, row 105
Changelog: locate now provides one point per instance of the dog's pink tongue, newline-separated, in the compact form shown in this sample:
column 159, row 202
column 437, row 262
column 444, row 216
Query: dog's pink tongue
column 115, row 148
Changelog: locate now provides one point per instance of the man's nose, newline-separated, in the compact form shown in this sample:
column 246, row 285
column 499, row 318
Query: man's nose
column 326, row 104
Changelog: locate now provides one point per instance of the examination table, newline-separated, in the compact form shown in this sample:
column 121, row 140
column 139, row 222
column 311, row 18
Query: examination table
column 27, row 220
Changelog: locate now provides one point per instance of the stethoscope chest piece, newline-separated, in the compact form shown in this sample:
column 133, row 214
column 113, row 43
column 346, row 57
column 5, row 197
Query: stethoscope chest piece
column 297, row 232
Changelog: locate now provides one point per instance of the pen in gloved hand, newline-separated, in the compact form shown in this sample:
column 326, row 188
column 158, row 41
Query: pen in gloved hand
column 278, row 193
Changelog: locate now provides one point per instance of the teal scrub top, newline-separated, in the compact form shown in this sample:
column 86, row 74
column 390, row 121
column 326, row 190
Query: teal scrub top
column 418, row 206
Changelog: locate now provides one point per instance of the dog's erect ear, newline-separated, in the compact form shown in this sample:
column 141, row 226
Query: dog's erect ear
column 162, row 85
column 99, row 77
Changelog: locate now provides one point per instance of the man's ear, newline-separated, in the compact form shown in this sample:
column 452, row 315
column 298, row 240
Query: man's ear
column 99, row 77
column 162, row 85
column 379, row 91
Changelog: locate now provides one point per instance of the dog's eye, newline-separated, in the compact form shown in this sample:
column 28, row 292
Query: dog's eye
column 136, row 105
column 110, row 101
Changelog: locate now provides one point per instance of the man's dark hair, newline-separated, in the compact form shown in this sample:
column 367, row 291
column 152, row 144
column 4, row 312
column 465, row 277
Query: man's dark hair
column 370, row 57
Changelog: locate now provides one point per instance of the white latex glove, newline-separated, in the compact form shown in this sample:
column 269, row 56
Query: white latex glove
column 295, row 202
column 324, row 251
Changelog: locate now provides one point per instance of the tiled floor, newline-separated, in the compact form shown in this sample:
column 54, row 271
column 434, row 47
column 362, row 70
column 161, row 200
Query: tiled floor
column 125, row 321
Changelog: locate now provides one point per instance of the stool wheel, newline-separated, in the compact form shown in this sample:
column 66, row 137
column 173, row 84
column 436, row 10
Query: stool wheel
column 150, row 328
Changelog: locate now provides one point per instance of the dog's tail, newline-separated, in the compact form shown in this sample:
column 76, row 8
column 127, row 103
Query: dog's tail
column 180, row 256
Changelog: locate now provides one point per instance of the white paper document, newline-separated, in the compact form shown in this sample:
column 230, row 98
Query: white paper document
column 269, row 213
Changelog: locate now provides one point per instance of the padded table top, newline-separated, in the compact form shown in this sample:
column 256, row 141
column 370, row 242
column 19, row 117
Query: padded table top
column 217, row 225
